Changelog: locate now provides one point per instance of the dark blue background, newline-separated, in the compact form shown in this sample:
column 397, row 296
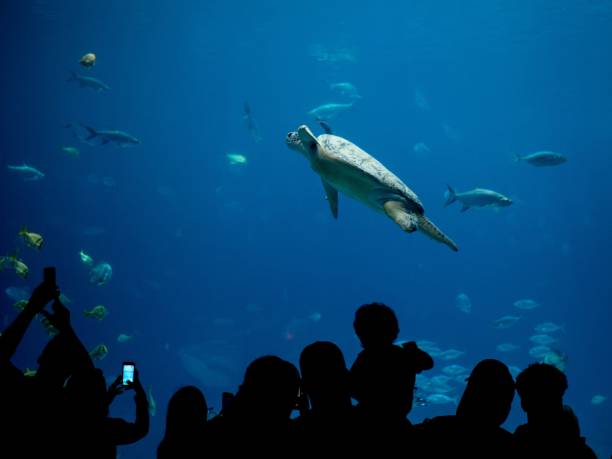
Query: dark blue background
column 220, row 262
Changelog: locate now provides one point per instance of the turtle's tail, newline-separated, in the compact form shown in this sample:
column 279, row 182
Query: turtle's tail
column 431, row 230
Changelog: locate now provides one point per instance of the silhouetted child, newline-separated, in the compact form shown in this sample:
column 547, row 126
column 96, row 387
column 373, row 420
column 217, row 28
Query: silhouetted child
column 475, row 430
column 185, row 434
column 552, row 429
column 330, row 422
column 383, row 376
column 258, row 419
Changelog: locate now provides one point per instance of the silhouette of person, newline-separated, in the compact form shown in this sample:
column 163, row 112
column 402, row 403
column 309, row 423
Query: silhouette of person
column 552, row 429
column 258, row 419
column 475, row 430
column 185, row 425
column 383, row 377
column 329, row 423
column 90, row 431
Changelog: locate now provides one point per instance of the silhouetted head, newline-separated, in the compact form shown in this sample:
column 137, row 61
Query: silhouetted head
column 505, row 202
column 382, row 381
column 187, row 409
column 541, row 387
column 269, row 390
column 86, row 393
column 324, row 373
column 487, row 398
column 376, row 325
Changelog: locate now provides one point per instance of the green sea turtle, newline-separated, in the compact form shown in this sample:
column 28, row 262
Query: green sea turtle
column 345, row 167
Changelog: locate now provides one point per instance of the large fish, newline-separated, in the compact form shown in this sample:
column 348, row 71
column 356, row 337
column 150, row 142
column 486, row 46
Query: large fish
column 29, row 173
column 478, row 197
column 123, row 139
column 542, row 158
column 329, row 111
column 88, row 82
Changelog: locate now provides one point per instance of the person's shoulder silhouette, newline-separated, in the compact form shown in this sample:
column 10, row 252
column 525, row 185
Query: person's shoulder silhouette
column 552, row 429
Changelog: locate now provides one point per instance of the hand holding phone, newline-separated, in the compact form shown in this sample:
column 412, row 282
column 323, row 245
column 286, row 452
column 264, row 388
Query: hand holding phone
column 127, row 377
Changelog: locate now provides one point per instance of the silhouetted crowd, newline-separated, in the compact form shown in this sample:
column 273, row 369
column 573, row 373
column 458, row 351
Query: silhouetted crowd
column 63, row 410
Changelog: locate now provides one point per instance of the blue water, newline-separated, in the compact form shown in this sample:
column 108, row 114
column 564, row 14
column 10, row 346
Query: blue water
column 215, row 264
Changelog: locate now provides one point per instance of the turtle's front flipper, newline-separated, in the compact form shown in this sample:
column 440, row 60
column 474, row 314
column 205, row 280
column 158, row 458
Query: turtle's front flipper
column 431, row 230
column 397, row 212
column 331, row 194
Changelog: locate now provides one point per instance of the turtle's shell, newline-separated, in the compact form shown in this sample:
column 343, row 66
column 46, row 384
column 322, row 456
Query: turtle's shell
column 354, row 157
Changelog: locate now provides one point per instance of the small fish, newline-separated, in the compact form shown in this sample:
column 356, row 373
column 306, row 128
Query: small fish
column 20, row 304
column 539, row 352
column 71, row 151
column 463, row 303
column 440, row 399
column 454, row 370
column 421, row 148
column 505, row 322
column 236, row 158
column 99, row 352
column 17, row 293
column 29, row 173
column 151, row 400
column 21, row 269
column 88, row 60
column 478, row 197
column 345, row 89
column 329, row 111
column 507, row 347
column 556, row 358
column 48, row 326
column 542, row 158
column 34, row 240
column 86, row 259
column 598, row 399
column 100, row 274
column 29, row 373
column 451, row 354
column 544, row 340
column 88, row 82
column 97, row 312
column 251, row 124
column 526, row 305
column 548, row 327
column 120, row 138
column 123, row 338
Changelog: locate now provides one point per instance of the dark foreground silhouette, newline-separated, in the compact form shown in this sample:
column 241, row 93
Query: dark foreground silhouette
column 62, row 410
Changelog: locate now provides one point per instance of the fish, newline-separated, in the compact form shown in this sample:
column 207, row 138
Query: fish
column 454, row 370
column 71, row 151
column 151, row 401
column 236, row 158
column 451, row 354
column 556, row 358
column 440, row 399
column 463, row 303
column 97, row 312
column 123, row 338
column 88, row 82
column 421, row 148
column 21, row 269
column 598, row 399
column 99, row 352
column 30, row 173
column 478, row 197
column 86, row 259
column 539, row 352
column 544, row 340
column 548, row 327
column 88, row 60
column 345, row 89
column 17, row 293
column 34, row 240
column 505, row 322
column 120, row 138
column 329, row 111
column 506, row 347
column 541, row 158
column 526, row 305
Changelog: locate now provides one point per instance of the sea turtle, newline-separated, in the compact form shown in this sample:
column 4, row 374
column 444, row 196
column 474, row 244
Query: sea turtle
column 345, row 167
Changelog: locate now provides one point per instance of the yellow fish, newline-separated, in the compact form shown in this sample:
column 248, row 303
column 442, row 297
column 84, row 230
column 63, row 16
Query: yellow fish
column 31, row 239
column 29, row 372
column 20, row 305
column 21, row 269
column 99, row 352
column 97, row 312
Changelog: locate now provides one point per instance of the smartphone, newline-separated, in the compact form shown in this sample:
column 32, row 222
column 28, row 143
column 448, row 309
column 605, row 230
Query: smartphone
column 49, row 275
column 128, row 373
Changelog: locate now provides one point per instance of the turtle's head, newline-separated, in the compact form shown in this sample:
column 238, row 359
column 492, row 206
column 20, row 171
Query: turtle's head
column 302, row 141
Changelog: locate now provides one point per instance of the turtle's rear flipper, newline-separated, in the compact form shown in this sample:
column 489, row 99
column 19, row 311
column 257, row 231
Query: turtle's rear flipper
column 431, row 230
column 397, row 212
